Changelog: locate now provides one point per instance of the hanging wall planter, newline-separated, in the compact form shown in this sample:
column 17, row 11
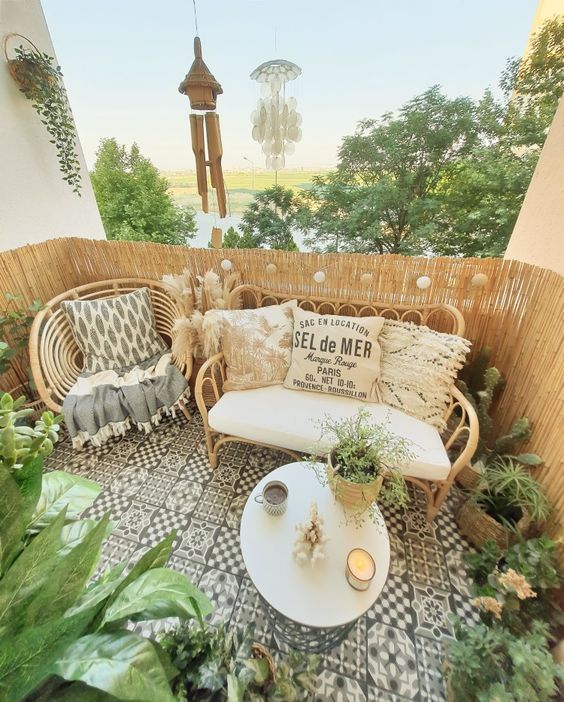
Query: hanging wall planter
column 39, row 78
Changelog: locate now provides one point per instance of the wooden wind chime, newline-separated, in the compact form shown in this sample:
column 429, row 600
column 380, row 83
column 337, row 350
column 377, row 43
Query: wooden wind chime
column 202, row 90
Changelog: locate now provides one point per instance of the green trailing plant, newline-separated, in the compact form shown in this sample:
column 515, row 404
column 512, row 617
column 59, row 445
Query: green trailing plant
column 482, row 384
column 40, row 80
column 516, row 587
column 216, row 665
column 362, row 450
column 491, row 663
column 16, row 319
column 507, row 489
column 63, row 635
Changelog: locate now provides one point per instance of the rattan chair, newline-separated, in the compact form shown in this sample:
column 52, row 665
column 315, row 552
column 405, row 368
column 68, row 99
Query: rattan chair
column 56, row 361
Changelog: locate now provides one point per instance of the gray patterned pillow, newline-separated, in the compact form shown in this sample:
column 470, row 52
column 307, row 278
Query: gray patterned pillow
column 114, row 332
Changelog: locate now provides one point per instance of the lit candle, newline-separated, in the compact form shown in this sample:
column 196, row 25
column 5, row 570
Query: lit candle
column 360, row 569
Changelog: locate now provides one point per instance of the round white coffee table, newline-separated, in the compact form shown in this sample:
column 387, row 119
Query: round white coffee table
column 311, row 607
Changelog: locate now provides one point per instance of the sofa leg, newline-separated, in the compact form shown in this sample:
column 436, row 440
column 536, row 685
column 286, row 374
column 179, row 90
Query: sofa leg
column 212, row 450
column 437, row 502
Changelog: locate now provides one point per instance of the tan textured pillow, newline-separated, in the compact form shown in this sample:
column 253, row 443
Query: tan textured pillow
column 335, row 354
column 419, row 367
column 257, row 344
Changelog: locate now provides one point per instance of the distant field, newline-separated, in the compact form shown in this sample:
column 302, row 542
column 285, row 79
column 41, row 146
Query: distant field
column 241, row 186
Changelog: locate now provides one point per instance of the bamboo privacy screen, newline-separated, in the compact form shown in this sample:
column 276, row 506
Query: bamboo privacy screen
column 519, row 312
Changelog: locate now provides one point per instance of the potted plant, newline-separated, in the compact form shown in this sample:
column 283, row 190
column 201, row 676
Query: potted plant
column 364, row 463
column 491, row 663
column 15, row 323
column 518, row 586
column 214, row 665
column 482, row 384
column 505, row 502
column 39, row 78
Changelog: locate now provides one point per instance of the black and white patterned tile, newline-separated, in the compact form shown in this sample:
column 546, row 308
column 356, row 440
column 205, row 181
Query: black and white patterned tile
column 153, row 484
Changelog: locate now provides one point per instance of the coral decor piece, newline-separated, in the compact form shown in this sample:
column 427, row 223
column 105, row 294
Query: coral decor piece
column 311, row 539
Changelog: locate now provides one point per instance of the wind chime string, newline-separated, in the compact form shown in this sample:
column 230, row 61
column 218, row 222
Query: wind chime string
column 195, row 17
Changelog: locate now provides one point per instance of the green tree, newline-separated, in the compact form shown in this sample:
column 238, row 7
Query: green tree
column 133, row 198
column 382, row 193
column 234, row 240
column 269, row 219
column 444, row 177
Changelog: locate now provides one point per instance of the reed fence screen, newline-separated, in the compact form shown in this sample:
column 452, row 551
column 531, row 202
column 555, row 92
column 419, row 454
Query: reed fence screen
column 519, row 312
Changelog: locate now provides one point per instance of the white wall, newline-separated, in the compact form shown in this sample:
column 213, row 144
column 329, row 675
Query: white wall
column 538, row 235
column 35, row 203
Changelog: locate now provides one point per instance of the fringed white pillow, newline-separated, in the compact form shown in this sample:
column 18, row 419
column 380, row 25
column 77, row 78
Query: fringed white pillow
column 418, row 369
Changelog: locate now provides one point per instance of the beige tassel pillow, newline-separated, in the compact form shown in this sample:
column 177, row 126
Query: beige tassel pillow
column 257, row 344
column 336, row 355
column 419, row 367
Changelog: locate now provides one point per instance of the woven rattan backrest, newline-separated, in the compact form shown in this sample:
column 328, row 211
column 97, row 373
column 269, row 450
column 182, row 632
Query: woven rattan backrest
column 441, row 317
column 56, row 360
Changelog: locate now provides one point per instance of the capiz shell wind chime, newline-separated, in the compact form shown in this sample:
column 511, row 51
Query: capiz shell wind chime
column 276, row 122
column 202, row 90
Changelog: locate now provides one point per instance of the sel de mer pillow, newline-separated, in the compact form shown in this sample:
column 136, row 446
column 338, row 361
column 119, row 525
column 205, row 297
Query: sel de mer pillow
column 336, row 355
column 256, row 343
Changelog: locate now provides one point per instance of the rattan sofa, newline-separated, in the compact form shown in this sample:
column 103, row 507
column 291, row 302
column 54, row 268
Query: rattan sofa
column 56, row 361
column 460, row 438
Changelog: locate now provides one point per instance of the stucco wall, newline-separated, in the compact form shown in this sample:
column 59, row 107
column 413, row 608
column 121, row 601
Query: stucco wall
column 35, row 203
column 538, row 236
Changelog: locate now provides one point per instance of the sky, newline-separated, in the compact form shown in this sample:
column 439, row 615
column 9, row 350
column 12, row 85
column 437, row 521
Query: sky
column 123, row 60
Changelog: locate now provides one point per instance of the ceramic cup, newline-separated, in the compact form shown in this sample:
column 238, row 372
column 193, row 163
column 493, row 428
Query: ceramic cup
column 274, row 498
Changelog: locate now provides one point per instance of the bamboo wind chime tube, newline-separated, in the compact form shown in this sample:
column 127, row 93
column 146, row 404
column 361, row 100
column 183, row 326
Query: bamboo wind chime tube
column 215, row 153
column 199, row 149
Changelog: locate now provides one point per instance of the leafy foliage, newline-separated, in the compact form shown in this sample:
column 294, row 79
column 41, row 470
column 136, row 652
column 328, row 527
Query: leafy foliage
column 268, row 220
column 506, row 488
column 15, row 323
column 133, row 198
column 54, row 626
column 362, row 450
column 536, row 562
column 490, row 663
column 441, row 176
column 234, row 240
column 40, row 80
column 216, row 665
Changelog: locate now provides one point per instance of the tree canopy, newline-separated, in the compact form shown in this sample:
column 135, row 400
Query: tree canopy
column 441, row 176
column 267, row 222
column 133, row 198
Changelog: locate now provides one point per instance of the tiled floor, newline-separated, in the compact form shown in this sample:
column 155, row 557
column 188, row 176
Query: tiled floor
column 162, row 481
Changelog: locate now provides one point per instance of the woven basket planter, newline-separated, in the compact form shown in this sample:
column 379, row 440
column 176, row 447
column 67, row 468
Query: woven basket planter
column 358, row 496
column 468, row 477
column 260, row 651
column 478, row 526
column 37, row 405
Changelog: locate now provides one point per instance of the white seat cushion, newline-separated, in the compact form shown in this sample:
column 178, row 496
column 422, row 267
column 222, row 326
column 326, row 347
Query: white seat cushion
column 289, row 418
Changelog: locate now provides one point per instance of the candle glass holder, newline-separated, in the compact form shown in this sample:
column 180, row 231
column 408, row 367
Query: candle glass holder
column 360, row 569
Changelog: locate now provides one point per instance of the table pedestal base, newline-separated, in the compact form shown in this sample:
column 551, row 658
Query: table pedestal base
column 305, row 638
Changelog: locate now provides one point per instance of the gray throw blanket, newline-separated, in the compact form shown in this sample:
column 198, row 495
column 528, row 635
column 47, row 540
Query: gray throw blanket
column 105, row 404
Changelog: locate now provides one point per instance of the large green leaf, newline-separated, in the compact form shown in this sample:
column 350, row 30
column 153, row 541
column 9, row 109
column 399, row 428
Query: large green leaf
column 75, row 532
column 158, row 593
column 121, row 663
column 12, row 527
column 155, row 557
column 28, row 575
column 27, row 659
column 68, row 579
column 29, row 480
column 60, row 490
column 79, row 692
column 99, row 590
